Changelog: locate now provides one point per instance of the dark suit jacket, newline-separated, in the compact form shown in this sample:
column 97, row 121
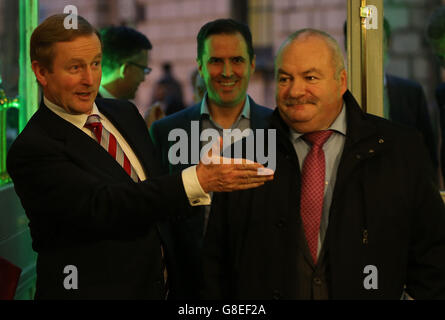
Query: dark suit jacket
column 408, row 106
column 187, row 234
column 85, row 210
column 254, row 236
column 440, row 96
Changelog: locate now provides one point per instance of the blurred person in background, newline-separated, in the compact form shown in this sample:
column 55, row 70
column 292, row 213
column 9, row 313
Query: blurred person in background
column 435, row 33
column 125, row 62
column 404, row 102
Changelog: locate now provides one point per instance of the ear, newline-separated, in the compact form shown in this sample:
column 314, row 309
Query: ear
column 343, row 81
column 253, row 63
column 199, row 67
column 40, row 73
column 123, row 70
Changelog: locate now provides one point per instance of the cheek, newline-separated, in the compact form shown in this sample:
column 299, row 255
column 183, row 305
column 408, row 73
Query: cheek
column 241, row 71
column 68, row 83
column 212, row 72
column 281, row 92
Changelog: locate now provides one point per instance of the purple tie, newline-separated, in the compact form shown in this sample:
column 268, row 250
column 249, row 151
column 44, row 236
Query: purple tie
column 312, row 188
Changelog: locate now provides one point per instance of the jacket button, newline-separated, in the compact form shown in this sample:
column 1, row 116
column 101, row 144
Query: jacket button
column 317, row 281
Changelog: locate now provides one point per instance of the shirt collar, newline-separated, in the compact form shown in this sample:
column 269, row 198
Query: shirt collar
column 77, row 120
column 339, row 125
column 105, row 93
column 245, row 113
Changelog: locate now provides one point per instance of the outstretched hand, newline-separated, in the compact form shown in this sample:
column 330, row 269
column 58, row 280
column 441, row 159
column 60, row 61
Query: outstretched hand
column 220, row 174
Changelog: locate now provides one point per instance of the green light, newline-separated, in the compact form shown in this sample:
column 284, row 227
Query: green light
column 5, row 104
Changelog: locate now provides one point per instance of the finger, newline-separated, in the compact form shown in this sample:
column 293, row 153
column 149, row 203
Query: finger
column 247, row 166
column 265, row 171
column 256, row 179
column 246, row 186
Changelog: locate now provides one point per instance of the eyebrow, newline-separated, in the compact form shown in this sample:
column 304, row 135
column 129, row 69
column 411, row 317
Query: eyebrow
column 313, row 70
column 231, row 57
column 284, row 72
column 99, row 55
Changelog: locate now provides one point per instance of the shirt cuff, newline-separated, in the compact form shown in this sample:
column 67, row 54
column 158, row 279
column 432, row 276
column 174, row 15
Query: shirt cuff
column 193, row 189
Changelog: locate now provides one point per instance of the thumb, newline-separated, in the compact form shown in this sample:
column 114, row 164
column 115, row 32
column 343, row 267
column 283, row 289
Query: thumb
column 213, row 155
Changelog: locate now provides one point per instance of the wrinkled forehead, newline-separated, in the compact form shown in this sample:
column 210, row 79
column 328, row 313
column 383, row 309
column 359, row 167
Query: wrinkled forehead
column 306, row 50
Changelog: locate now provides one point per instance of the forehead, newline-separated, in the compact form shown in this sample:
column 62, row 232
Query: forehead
column 81, row 48
column 225, row 45
column 305, row 53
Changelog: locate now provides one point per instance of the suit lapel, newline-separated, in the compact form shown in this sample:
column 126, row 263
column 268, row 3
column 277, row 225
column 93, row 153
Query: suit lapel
column 79, row 146
column 361, row 143
column 193, row 115
column 257, row 119
column 131, row 132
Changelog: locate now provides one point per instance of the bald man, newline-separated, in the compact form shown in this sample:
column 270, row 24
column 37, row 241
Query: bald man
column 351, row 213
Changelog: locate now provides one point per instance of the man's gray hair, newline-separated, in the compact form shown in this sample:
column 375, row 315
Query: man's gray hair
column 336, row 53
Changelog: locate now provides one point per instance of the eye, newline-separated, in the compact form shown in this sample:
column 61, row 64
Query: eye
column 283, row 80
column 74, row 68
column 311, row 78
column 238, row 60
column 215, row 60
column 96, row 63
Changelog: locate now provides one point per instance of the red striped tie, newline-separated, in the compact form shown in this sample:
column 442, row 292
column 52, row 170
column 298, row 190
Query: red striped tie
column 312, row 188
column 108, row 141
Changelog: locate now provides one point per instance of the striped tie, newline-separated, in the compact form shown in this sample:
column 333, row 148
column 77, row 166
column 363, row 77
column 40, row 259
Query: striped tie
column 108, row 141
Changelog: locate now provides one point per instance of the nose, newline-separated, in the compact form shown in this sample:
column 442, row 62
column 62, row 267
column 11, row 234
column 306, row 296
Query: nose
column 297, row 88
column 87, row 77
column 227, row 69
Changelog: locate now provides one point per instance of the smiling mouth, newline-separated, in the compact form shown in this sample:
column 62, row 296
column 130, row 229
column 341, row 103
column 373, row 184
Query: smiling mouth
column 227, row 83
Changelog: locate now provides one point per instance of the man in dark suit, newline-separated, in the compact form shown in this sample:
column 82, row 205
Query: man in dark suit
column 226, row 61
column 352, row 212
column 435, row 32
column 87, row 176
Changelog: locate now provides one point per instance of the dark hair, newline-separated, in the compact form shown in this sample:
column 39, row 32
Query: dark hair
column 224, row 26
column 435, row 29
column 121, row 43
column 167, row 67
column 52, row 30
